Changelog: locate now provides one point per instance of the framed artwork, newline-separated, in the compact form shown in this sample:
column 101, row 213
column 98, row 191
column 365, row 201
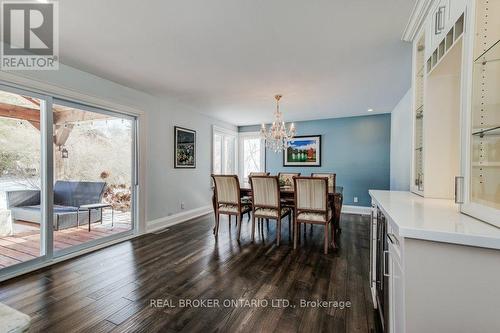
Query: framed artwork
column 184, row 148
column 303, row 151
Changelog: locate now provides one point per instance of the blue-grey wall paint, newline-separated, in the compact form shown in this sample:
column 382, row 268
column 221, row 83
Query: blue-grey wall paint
column 357, row 149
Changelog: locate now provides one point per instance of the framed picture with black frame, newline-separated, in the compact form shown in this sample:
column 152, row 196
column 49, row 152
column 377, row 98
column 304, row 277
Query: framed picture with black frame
column 303, row 151
column 184, row 148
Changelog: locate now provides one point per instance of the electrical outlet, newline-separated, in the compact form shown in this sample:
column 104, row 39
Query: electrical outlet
column 182, row 205
column 355, row 199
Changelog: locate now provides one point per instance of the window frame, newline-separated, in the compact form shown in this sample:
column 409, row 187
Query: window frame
column 241, row 138
column 224, row 132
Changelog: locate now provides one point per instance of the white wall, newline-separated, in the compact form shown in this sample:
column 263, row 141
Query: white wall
column 163, row 187
column 401, row 131
column 169, row 187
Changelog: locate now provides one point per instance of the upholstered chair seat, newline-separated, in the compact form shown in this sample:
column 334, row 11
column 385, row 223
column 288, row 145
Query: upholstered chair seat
column 271, row 212
column 228, row 208
column 310, row 216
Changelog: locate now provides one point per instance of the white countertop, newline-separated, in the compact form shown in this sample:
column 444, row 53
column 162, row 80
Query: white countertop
column 434, row 219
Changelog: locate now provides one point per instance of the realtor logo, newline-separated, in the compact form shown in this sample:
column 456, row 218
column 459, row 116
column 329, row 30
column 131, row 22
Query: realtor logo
column 30, row 35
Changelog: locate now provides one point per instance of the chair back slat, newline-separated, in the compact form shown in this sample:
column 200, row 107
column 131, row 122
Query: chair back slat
column 311, row 193
column 227, row 188
column 332, row 178
column 265, row 191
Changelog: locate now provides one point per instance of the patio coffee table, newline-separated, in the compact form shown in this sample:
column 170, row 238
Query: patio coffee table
column 91, row 207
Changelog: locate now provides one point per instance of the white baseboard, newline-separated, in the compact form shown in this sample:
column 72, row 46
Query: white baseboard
column 163, row 222
column 356, row 210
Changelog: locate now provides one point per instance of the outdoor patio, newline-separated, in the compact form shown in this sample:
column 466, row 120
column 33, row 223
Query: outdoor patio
column 24, row 244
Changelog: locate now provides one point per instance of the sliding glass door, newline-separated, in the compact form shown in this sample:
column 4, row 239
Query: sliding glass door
column 68, row 178
column 23, row 205
column 94, row 162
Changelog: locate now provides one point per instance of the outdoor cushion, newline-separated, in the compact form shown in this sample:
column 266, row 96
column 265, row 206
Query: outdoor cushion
column 58, row 209
column 75, row 194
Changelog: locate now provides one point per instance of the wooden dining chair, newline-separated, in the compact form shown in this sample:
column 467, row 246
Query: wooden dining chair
column 267, row 203
column 286, row 178
column 228, row 200
column 311, row 206
column 332, row 177
column 258, row 174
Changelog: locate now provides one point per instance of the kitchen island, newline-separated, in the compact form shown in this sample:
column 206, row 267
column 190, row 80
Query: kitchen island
column 433, row 269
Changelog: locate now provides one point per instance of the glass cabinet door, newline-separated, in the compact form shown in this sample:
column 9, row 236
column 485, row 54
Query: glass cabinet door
column 483, row 181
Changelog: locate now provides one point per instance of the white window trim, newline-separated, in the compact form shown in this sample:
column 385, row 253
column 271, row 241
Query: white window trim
column 241, row 163
column 227, row 132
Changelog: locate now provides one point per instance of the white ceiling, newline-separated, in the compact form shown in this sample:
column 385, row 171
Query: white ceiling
column 227, row 58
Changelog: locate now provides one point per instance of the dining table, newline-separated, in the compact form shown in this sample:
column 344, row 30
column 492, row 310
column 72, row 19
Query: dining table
column 335, row 198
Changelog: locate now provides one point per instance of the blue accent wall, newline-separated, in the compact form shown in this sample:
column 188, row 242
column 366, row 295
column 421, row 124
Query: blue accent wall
column 357, row 149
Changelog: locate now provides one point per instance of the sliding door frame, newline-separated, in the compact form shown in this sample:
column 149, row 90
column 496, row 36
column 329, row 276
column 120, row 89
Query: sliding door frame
column 47, row 94
column 134, row 225
column 46, row 181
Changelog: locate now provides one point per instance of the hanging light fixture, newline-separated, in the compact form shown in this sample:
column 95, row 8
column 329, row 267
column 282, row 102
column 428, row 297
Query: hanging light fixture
column 64, row 153
column 278, row 135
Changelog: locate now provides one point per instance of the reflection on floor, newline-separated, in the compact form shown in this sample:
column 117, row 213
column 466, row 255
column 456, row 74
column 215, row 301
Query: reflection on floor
column 24, row 244
column 112, row 289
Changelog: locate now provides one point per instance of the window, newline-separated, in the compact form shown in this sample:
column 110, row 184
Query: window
column 225, row 150
column 252, row 154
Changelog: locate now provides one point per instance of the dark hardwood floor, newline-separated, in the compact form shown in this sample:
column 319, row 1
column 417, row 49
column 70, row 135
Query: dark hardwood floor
column 112, row 289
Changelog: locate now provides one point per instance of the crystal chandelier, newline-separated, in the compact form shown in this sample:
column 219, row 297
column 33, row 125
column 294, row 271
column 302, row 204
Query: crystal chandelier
column 278, row 135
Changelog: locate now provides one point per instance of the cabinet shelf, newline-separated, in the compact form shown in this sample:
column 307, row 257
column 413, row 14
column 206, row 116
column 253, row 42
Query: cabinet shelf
column 488, row 131
column 485, row 164
column 490, row 55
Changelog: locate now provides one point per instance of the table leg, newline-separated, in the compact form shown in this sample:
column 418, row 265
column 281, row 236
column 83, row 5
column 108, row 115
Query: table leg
column 90, row 211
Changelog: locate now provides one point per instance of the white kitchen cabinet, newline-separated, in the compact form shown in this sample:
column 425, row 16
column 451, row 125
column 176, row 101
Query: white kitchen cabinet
column 441, row 264
column 481, row 114
column 396, row 290
column 439, row 21
column 457, row 8
column 456, row 111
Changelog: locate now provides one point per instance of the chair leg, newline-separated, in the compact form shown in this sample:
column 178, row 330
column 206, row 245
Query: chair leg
column 294, row 234
column 253, row 228
column 278, row 231
column 290, row 226
column 238, row 223
column 326, row 238
column 332, row 227
column 216, row 228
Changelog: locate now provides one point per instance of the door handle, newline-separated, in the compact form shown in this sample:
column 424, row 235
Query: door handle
column 393, row 239
column 385, row 264
column 439, row 20
column 459, row 183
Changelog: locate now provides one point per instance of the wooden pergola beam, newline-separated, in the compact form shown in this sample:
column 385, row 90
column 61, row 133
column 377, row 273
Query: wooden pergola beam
column 19, row 112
